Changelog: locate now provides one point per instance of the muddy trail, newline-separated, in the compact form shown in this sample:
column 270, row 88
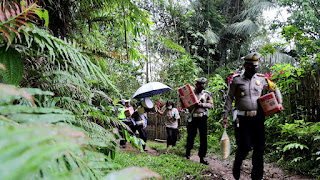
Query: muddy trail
column 221, row 169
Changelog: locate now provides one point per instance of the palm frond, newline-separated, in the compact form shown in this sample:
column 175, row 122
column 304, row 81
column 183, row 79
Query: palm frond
column 211, row 37
column 278, row 57
column 255, row 9
column 246, row 27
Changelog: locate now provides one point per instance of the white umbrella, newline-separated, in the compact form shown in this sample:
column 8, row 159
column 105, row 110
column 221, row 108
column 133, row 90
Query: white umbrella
column 151, row 89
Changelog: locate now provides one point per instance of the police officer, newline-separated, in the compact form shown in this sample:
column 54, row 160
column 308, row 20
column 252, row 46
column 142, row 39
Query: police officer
column 249, row 127
column 200, row 113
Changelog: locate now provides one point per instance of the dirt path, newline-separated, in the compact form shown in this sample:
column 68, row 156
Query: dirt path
column 222, row 169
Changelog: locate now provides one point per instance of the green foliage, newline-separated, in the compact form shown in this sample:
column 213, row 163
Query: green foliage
column 183, row 70
column 51, row 151
column 11, row 59
column 298, row 147
column 167, row 166
column 246, row 27
column 137, row 173
column 8, row 93
column 305, row 43
column 14, row 16
column 294, row 146
column 271, row 48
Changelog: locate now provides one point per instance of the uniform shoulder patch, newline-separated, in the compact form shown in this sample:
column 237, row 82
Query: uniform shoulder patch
column 205, row 91
column 231, row 77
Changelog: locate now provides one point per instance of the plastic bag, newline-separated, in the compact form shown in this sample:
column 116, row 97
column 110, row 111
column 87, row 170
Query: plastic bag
column 225, row 144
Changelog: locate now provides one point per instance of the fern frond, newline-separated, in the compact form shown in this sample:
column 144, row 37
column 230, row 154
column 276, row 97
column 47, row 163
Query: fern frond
column 16, row 16
column 29, row 152
column 100, row 135
column 9, row 93
column 71, row 55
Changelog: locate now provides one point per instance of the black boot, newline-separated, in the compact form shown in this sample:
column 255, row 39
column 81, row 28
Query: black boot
column 236, row 172
column 203, row 161
column 188, row 154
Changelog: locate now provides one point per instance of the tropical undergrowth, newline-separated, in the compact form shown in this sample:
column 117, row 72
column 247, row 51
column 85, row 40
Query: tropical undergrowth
column 66, row 130
column 293, row 136
column 169, row 166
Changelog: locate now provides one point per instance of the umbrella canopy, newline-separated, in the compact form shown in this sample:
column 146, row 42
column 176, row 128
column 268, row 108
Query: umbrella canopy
column 151, row 89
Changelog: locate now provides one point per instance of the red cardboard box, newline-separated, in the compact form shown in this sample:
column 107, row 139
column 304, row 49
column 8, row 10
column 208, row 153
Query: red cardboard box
column 187, row 96
column 185, row 90
column 129, row 111
column 269, row 104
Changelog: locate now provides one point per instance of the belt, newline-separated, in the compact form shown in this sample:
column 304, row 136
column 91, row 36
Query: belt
column 247, row 113
column 197, row 114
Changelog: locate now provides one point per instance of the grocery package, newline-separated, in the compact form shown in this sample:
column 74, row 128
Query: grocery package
column 187, row 96
column 225, row 144
column 269, row 104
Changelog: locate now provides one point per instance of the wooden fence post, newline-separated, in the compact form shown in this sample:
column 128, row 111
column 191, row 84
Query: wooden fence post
column 156, row 127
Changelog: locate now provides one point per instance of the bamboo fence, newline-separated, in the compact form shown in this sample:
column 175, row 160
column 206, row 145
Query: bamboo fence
column 156, row 128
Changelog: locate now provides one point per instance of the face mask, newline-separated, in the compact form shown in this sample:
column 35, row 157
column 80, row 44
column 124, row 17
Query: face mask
column 169, row 107
column 251, row 71
column 201, row 87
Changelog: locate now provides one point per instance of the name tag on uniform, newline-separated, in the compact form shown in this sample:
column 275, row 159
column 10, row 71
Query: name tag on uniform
column 258, row 83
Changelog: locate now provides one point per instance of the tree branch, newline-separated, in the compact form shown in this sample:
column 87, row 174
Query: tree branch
column 315, row 8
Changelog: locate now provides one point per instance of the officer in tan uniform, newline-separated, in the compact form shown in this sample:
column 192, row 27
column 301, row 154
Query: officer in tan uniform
column 200, row 113
column 249, row 127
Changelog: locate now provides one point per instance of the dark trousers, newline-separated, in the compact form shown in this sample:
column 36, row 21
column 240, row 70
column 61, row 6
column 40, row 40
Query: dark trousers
column 172, row 136
column 124, row 140
column 250, row 133
column 201, row 124
column 142, row 133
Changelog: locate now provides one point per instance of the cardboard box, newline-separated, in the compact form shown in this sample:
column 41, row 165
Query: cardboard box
column 185, row 90
column 129, row 111
column 269, row 104
column 187, row 96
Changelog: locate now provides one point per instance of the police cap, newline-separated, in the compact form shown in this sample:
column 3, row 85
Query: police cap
column 201, row 80
column 252, row 58
column 127, row 100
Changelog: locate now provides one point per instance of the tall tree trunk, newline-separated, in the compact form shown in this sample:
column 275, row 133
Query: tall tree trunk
column 147, row 49
column 125, row 32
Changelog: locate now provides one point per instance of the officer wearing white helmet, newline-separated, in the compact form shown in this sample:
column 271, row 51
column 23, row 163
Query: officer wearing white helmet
column 246, row 88
column 200, row 114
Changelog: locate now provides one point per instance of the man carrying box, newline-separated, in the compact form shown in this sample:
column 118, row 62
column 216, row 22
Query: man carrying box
column 249, row 128
column 200, row 113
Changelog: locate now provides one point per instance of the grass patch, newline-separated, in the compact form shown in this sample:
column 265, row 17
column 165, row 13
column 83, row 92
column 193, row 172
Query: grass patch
column 169, row 166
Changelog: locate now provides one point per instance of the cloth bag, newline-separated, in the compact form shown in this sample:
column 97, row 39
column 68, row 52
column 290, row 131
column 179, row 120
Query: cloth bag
column 225, row 144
